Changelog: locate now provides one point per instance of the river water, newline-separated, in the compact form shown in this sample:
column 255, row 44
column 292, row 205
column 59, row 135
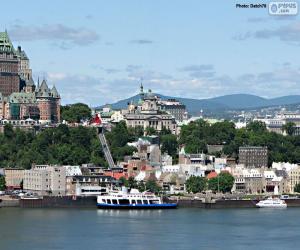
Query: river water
column 149, row 229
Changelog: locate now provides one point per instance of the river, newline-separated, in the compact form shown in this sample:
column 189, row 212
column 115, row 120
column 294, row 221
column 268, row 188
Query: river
column 149, row 229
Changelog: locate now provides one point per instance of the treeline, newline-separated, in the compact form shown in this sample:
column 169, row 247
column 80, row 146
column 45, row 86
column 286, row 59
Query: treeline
column 61, row 145
column 197, row 135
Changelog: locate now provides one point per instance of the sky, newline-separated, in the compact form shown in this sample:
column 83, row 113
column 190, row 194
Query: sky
column 97, row 51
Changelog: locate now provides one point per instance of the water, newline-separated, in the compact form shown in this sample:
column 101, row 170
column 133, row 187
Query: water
column 157, row 229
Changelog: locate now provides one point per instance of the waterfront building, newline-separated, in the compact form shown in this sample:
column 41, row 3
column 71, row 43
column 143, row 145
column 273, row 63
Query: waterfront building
column 45, row 180
column 294, row 177
column 14, row 177
column 253, row 157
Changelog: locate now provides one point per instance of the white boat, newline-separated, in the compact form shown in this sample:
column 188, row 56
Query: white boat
column 132, row 200
column 272, row 203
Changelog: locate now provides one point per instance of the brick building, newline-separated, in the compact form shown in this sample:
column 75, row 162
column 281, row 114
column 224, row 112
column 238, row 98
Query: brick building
column 253, row 157
column 20, row 98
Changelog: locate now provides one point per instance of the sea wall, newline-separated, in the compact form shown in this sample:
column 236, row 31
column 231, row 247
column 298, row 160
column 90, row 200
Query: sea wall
column 59, row 202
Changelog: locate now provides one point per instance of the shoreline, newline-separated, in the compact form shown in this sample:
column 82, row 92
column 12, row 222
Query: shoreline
column 91, row 202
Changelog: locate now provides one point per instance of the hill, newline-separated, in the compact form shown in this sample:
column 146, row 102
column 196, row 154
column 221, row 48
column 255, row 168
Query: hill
column 221, row 103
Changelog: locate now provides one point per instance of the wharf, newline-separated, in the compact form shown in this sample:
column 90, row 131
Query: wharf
column 91, row 201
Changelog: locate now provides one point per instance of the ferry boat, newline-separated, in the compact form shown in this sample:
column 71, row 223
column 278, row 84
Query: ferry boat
column 132, row 200
column 272, row 203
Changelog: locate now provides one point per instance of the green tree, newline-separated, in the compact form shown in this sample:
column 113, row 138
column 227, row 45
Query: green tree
column 297, row 188
column 8, row 131
column 289, row 128
column 256, row 126
column 150, row 131
column 132, row 183
column 169, row 144
column 152, row 186
column 2, row 183
column 75, row 112
column 195, row 184
column 123, row 181
column 223, row 183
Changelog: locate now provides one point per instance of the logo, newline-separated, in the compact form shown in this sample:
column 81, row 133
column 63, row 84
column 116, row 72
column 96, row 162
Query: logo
column 283, row 8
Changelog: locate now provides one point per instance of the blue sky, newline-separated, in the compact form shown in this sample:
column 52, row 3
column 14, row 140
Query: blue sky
column 97, row 51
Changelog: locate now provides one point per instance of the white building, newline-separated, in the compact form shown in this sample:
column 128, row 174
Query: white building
column 45, row 180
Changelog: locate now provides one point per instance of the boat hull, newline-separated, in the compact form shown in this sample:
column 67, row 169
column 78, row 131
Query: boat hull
column 271, row 206
column 137, row 206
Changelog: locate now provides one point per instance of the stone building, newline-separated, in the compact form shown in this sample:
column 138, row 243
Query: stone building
column 45, row 180
column 14, row 177
column 175, row 108
column 253, row 157
column 147, row 114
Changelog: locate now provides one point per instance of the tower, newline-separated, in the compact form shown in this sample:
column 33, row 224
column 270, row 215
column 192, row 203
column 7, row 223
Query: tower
column 9, row 66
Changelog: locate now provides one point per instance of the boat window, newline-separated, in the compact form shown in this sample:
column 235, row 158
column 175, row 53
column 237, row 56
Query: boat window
column 123, row 201
column 139, row 202
column 114, row 201
column 132, row 201
column 154, row 202
column 108, row 201
column 145, row 201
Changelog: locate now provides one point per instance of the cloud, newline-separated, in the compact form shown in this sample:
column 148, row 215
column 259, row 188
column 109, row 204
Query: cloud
column 97, row 91
column 57, row 33
column 288, row 33
column 200, row 71
column 141, row 41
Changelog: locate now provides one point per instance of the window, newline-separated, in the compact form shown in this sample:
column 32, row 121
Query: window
column 114, row 201
column 139, row 202
column 124, row 202
column 108, row 202
column 145, row 202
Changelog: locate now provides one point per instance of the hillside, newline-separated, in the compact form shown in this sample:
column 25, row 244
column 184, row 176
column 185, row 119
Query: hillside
column 226, row 102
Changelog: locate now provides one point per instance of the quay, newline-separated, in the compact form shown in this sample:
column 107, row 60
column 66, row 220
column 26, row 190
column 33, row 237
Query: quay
column 91, row 202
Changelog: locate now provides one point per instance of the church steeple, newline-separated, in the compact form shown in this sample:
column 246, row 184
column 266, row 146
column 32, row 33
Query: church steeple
column 142, row 94
column 141, row 87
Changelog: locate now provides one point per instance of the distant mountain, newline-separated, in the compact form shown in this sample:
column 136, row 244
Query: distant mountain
column 221, row 103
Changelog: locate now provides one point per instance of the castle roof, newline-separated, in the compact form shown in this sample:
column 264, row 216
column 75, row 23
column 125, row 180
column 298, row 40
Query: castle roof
column 21, row 53
column 54, row 92
column 5, row 43
column 22, row 97
column 44, row 91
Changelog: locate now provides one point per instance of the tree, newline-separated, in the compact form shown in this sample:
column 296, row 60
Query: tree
column 123, row 181
column 223, row 183
column 289, row 128
column 2, row 183
column 8, row 131
column 297, row 188
column 195, row 184
column 256, row 126
column 132, row 183
column 169, row 144
column 152, row 186
column 75, row 112
column 150, row 131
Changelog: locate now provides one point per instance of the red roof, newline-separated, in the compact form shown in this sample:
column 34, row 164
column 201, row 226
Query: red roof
column 116, row 175
column 212, row 175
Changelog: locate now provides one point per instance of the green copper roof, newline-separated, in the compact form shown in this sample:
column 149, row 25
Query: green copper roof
column 5, row 43
column 22, row 98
